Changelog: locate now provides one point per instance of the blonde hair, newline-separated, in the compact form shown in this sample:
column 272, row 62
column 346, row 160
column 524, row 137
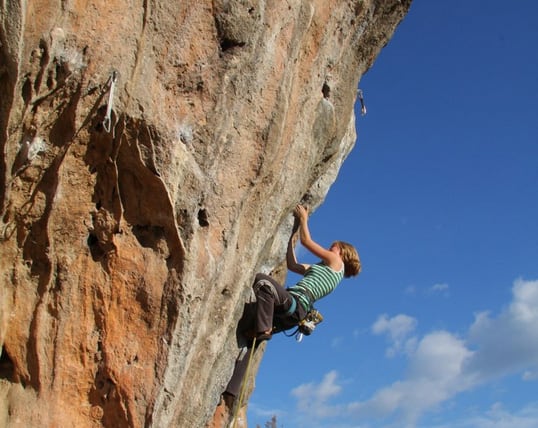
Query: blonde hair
column 350, row 257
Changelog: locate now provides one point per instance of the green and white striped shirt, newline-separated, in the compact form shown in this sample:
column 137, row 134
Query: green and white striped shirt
column 318, row 281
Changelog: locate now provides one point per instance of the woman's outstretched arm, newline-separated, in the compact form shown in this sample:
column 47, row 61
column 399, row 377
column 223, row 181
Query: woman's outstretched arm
column 330, row 258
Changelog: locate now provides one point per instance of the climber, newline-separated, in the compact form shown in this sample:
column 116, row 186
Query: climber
column 287, row 307
column 278, row 309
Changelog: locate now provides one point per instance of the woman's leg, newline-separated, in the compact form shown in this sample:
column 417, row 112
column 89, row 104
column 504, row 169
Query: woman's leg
column 270, row 297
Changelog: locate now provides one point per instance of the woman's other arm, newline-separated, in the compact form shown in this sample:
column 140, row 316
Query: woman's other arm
column 291, row 259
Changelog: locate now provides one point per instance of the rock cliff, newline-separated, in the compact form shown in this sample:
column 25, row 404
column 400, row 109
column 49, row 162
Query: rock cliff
column 152, row 152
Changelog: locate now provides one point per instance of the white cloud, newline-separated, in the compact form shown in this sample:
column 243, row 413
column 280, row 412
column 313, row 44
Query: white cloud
column 440, row 356
column 312, row 398
column 508, row 343
column 436, row 374
column 264, row 412
column 498, row 417
column 397, row 329
column 530, row 375
column 442, row 365
column 525, row 306
column 441, row 288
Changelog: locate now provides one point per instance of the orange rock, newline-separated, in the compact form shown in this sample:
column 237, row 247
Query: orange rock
column 126, row 256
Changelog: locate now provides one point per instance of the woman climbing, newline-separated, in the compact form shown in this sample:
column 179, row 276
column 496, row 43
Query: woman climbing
column 279, row 309
column 289, row 306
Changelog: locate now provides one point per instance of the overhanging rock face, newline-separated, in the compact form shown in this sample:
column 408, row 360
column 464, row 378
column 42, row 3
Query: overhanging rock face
column 152, row 152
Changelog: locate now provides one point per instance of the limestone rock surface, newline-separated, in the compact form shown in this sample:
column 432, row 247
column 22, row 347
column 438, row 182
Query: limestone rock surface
column 152, row 153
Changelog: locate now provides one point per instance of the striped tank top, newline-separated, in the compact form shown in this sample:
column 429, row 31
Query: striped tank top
column 318, row 281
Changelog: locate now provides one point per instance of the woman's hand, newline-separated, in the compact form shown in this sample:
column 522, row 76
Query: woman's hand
column 301, row 213
column 330, row 258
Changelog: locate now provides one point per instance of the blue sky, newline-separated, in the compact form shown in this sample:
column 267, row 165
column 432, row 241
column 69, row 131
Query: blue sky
column 440, row 196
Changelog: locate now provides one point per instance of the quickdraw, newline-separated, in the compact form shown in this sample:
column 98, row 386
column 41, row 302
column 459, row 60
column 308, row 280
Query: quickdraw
column 107, row 121
column 361, row 99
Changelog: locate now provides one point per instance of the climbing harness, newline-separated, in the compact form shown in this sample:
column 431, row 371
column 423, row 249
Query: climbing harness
column 107, row 120
column 313, row 317
column 243, row 384
column 293, row 307
column 361, row 99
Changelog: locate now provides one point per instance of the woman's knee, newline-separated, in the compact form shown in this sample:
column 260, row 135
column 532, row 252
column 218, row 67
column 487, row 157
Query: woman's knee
column 262, row 277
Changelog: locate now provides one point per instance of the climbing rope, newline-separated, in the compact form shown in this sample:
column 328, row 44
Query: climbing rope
column 107, row 120
column 361, row 99
column 243, row 384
